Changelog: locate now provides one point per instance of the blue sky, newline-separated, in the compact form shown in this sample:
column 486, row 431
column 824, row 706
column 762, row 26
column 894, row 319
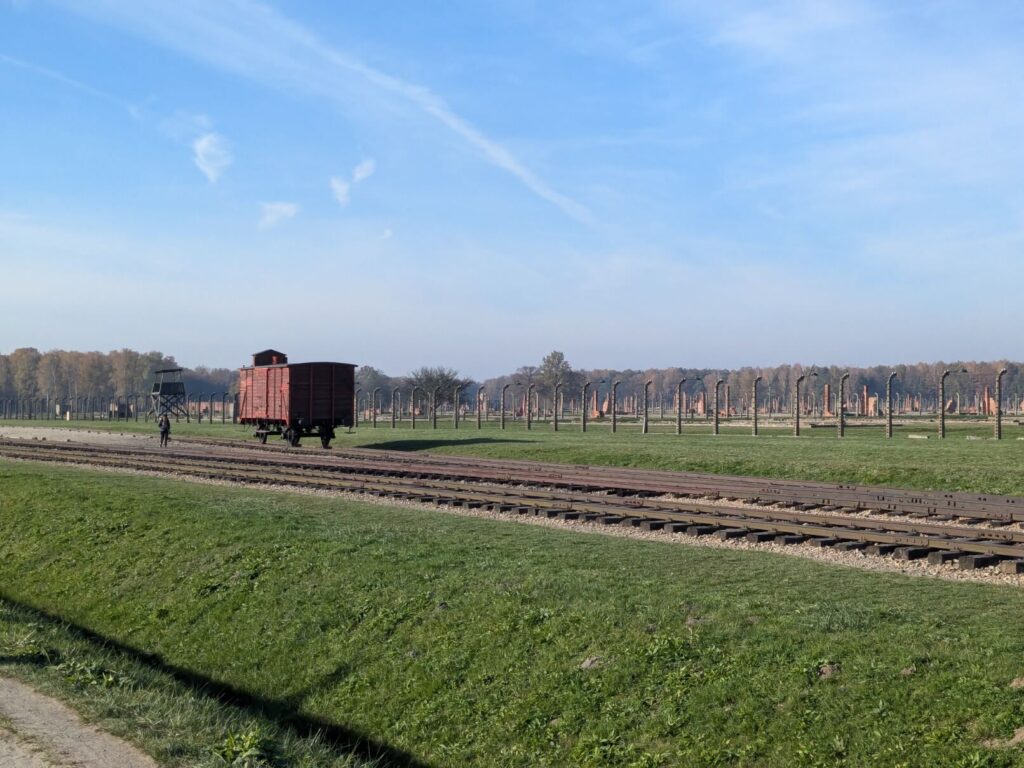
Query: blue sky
column 474, row 184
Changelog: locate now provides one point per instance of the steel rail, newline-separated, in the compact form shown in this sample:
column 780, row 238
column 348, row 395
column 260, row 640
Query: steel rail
column 980, row 506
column 837, row 494
column 184, row 461
column 811, row 492
column 800, row 524
column 752, row 490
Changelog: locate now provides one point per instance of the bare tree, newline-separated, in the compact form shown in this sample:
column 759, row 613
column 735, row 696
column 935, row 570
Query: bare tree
column 439, row 378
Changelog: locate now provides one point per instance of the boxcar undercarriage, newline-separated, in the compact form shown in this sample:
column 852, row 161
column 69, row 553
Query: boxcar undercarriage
column 293, row 434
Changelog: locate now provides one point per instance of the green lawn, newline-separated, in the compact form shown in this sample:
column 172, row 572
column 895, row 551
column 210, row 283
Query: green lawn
column 465, row 642
column 864, row 456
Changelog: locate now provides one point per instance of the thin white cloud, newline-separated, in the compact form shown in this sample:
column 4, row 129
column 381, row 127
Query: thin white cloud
column 889, row 125
column 185, row 126
column 494, row 152
column 364, row 170
column 778, row 29
column 209, row 150
column 78, row 85
column 254, row 40
column 340, row 188
column 274, row 213
column 211, row 155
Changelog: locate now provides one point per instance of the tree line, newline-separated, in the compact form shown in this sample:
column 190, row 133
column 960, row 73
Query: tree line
column 776, row 382
column 916, row 380
column 60, row 374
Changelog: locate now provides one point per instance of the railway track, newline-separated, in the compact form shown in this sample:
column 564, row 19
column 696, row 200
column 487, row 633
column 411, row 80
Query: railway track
column 943, row 506
column 975, row 531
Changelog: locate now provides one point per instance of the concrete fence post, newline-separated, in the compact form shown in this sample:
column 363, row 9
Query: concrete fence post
column 615, row 403
column 842, row 404
column 718, row 388
column 647, row 391
column 753, row 403
column 888, row 405
column 679, row 406
column 999, row 404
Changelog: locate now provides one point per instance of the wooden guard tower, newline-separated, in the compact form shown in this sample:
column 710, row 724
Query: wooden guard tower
column 169, row 394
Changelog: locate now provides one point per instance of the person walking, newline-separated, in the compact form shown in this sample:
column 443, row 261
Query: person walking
column 164, row 423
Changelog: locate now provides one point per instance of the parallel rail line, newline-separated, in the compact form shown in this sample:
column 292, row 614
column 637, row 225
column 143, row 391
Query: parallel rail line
column 506, row 490
column 840, row 495
column 943, row 505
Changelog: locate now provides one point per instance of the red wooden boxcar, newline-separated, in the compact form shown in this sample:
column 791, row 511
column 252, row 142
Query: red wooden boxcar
column 295, row 399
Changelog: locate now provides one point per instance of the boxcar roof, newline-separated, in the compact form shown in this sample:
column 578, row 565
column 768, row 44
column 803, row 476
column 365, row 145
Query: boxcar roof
column 295, row 365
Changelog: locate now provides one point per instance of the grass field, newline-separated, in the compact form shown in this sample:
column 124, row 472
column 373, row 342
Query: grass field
column 453, row 641
column 184, row 720
column 864, row 456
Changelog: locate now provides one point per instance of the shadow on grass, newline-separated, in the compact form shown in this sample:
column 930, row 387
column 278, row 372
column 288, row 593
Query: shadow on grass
column 282, row 711
column 31, row 659
column 426, row 444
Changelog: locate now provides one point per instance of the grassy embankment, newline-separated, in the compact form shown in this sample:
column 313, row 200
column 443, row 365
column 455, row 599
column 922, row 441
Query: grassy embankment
column 864, row 456
column 463, row 641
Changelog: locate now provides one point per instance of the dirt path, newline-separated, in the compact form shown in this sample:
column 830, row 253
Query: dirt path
column 68, row 435
column 16, row 754
column 42, row 732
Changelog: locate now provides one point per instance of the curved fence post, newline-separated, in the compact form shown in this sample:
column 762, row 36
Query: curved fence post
column 888, row 405
column 842, row 403
column 718, row 387
column 647, row 389
column 753, row 403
